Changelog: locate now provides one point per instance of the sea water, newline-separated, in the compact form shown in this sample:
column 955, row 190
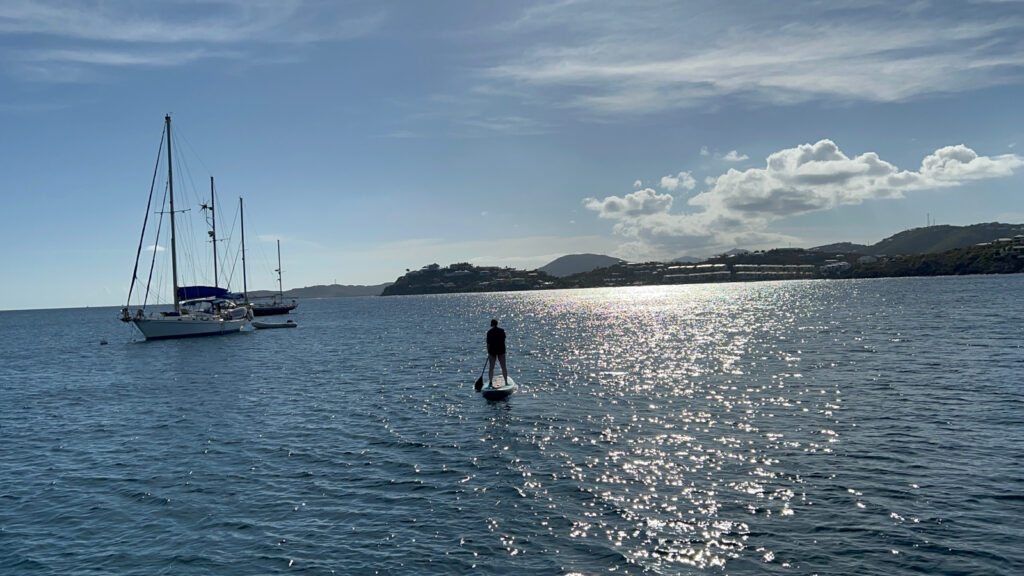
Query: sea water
column 818, row 427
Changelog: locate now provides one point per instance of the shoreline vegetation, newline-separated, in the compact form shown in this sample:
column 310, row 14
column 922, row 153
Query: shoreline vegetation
column 1001, row 251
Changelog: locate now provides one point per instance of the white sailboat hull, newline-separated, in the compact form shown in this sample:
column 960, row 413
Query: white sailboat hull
column 158, row 328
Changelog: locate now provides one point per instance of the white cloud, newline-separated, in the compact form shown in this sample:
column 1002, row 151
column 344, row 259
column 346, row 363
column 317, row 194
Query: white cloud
column 704, row 151
column 666, row 59
column 803, row 179
column 739, row 205
column 117, row 33
column 152, row 58
column 958, row 163
column 637, row 204
column 682, row 180
column 215, row 22
column 734, row 156
column 638, row 184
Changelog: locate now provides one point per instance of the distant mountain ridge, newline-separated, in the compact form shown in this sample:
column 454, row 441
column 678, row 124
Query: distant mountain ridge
column 328, row 291
column 930, row 240
column 576, row 263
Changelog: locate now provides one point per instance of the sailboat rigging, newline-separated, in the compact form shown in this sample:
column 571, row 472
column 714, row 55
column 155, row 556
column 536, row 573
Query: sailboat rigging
column 213, row 229
column 198, row 310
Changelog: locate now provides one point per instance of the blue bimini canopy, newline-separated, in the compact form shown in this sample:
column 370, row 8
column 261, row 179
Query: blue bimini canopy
column 197, row 292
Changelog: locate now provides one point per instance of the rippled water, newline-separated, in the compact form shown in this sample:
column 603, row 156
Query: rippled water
column 843, row 427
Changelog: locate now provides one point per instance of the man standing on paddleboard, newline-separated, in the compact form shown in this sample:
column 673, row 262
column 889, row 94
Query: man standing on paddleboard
column 496, row 350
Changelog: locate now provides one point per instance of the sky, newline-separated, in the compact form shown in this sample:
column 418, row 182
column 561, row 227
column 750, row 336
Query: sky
column 374, row 137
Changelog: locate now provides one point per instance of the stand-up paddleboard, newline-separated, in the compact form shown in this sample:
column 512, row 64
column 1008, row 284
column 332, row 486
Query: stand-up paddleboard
column 499, row 389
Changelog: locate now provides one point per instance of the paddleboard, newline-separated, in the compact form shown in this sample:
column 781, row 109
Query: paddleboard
column 499, row 389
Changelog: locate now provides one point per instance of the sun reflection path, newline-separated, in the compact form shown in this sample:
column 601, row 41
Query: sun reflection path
column 682, row 411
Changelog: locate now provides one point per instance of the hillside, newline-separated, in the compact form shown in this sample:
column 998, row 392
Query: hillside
column 843, row 248
column 930, row 240
column 577, row 263
column 935, row 239
column 979, row 259
column 797, row 263
column 464, row 277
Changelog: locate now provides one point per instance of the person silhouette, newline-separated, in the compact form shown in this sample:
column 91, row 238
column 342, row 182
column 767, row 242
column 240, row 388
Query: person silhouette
column 496, row 351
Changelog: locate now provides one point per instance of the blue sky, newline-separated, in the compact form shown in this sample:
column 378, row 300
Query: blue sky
column 372, row 137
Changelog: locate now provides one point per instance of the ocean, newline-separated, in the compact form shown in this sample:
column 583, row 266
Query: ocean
column 809, row 427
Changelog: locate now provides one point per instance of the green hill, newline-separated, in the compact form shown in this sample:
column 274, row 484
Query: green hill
column 934, row 239
column 843, row 248
column 464, row 277
column 975, row 259
column 929, row 240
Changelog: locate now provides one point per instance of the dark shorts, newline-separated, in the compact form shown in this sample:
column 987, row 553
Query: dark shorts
column 496, row 352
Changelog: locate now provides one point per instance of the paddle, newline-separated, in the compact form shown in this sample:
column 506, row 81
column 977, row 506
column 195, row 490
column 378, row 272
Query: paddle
column 480, row 381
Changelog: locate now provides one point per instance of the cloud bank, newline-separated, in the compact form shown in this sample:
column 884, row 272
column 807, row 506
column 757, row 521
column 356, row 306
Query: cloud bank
column 739, row 206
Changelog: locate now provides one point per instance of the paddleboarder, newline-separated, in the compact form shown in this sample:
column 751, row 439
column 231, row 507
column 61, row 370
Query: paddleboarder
column 496, row 350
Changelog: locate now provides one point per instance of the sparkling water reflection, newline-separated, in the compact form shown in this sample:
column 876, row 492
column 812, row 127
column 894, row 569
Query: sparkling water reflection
column 796, row 427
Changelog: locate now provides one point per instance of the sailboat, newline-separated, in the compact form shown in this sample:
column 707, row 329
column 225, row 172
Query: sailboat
column 196, row 312
column 277, row 305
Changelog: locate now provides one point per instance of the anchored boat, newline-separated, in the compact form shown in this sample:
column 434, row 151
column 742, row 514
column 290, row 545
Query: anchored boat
column 194, row 313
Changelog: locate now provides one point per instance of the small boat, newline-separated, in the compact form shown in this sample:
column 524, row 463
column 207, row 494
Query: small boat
column 499, row 389
column 273, row 308
column 277, row 305
column 267, row 325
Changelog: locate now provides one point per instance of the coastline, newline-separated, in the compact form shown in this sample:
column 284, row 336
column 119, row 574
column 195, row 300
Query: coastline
column 779, row 264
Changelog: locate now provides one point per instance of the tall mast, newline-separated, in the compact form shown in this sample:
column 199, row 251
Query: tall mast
column 280, row 287
column 213, row 233
column 170, row 189
column 241, row 219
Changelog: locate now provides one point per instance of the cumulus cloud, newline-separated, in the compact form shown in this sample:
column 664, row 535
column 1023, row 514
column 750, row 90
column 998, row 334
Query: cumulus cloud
column 637, row 204
column 682, row 180
column 958, row 163
column 638, row 184
column 803, row 179
column 734, row 156
column 738, row 206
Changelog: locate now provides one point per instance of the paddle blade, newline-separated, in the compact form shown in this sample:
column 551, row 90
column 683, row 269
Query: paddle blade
column 479, row 384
